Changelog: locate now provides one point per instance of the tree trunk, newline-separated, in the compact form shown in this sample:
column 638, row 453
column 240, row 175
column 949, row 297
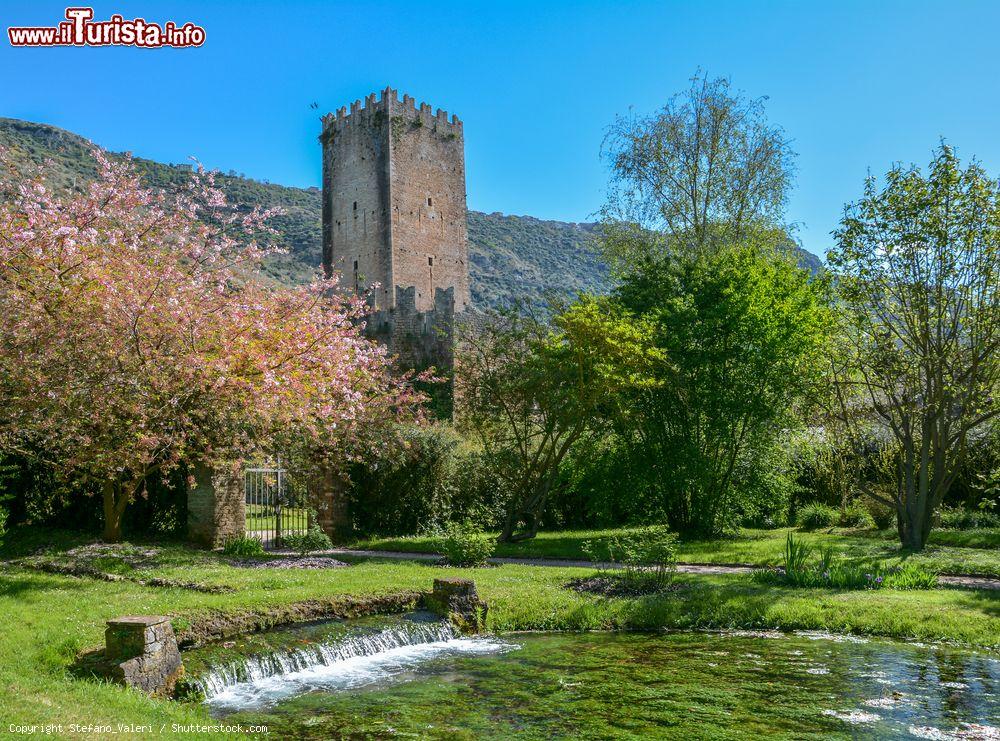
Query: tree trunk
column 115, row 498
column 517, row 514
column 508, row 535
column 914, row 527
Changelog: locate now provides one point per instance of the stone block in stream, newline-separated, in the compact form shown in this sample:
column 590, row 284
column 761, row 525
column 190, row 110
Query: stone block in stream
column 458, row 600
column 141, row 652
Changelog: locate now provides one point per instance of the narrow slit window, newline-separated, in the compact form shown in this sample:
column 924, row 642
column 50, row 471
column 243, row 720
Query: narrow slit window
column 430, row 261
column 429, row 202
column 355, row 205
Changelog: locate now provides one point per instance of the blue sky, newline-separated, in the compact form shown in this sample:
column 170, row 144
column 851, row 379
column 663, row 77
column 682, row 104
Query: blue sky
column 854, row 84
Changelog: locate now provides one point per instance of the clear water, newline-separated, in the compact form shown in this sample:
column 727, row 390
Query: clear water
column 334, row 659
column 602, row 685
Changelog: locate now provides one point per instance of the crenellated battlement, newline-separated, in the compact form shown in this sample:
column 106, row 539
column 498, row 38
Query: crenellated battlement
column 388, row 103
column 419, row 338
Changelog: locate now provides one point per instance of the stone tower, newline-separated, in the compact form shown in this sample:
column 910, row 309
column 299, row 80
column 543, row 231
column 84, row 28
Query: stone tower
column 394, row 214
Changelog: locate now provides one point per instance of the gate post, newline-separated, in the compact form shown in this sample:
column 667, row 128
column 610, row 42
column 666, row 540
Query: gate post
column 216, row 506
column 328, row 496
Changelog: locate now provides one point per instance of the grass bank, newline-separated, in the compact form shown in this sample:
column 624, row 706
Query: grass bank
column 49, row 619
column 949, row 551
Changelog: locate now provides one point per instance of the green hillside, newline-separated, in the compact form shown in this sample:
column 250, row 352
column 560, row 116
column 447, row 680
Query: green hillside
column 510, row 256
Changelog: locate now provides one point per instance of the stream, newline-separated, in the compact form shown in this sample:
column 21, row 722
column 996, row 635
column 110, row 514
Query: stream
column 412, row 675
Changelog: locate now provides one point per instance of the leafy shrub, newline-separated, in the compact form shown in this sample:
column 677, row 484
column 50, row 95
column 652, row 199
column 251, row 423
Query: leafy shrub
column 7, row 473
column 314, row 539
column 883, row 515
column 815, row 516
column 431, row 478
column 647, row 558
column 243, row 546
column 591, row 480
column 465, row 544
column 833, row 572
column 910, row 576
column 857, row 516
column 824, row 468
column 404, row 490
column 968, row 519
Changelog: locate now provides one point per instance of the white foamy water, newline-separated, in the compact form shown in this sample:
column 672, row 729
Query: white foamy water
column 853, row 716
column 349, row 663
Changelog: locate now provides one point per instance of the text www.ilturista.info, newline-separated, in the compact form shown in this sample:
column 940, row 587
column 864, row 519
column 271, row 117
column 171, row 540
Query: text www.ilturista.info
column 79, row 29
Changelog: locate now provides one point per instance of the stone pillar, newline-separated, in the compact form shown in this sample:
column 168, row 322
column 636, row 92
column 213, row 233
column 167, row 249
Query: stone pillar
column 216, row 506
column 328, row 496
column 458, row 600
column 142, row 652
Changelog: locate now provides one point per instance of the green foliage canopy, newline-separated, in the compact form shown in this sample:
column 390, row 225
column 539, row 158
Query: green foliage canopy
column 742, row 331
column 530, row 391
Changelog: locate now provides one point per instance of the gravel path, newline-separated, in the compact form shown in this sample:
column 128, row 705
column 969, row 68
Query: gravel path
column 951, row 580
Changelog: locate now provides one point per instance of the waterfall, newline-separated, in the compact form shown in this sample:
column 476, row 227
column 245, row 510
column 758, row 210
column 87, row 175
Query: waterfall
column 350, row 661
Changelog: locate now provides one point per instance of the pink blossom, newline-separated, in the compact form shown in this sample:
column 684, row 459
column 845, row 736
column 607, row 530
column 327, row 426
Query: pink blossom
column 137, row 338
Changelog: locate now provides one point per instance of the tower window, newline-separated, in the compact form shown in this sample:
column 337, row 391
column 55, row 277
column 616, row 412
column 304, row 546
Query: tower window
column 355, row 265
column 429, row 203
column 430, row 261
column 355, row 205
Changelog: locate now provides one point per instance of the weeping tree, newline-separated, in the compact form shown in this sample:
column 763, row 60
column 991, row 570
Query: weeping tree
column 917, row 266
column 529, row 391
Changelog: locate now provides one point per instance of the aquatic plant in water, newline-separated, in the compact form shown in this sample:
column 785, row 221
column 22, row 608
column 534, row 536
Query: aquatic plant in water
column 679, row 685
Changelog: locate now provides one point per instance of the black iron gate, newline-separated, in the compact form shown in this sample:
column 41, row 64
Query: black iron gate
column 275, row 506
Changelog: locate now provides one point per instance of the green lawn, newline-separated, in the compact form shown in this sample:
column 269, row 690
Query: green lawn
column 293, row 519
column 49, row 619
column 949, row 552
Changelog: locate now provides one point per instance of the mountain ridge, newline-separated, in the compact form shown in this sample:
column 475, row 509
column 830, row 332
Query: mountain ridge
column 511, row 256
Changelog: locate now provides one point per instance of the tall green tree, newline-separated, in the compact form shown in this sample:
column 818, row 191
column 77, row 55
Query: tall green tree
column 691, row 230
column 917, row 265
column 706, row 170
column 742, row 331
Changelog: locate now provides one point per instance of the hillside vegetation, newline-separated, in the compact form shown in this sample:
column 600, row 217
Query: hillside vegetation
column 511, row 257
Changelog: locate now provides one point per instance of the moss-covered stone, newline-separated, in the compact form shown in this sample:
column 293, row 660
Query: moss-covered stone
column 457, row 600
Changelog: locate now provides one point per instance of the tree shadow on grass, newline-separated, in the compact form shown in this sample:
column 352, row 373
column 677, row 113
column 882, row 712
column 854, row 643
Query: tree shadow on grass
column 17, row 585
column 28, row 540
column 90, row 665
column 986, row 600
column 695, row 605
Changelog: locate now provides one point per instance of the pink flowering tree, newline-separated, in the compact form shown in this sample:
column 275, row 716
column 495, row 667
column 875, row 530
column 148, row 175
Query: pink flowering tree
column 136, row 334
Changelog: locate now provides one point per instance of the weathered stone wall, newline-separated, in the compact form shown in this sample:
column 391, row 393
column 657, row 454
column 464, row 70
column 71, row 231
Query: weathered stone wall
column 141, row 652
column 420, row 338
column 216, row 506
column 328, row 497
column 356, row 162
column 458, row 600
column 427, row 188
